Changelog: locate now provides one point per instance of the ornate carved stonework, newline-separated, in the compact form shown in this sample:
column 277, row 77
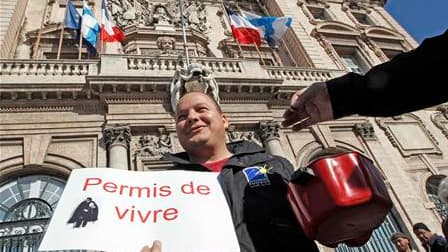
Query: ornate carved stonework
column 222, row 20
column 141, row 12
column 362, row 43
column 329, row 49
column 269, row 130
column 440, row 119
column 355, row 5
column 49, row 12
column 236, row 135
column 195, row 78
column 153, row 13
column 153, row 146
column 322, row 3
column 374, row 47
column 196, row 16
column 365, row 130
column 117, row 134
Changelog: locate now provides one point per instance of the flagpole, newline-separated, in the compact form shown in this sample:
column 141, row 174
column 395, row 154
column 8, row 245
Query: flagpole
column 241, row 49
column 101, row 27
column 259, row 54
column 61, row 36
column 60, row 42
column 39, row 33
column 80, row 43
column 181, row 9
column 236, row 40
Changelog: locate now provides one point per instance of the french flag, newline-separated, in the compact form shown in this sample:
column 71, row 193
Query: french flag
column 243, row 31
column 271, row 28
column 109, row 31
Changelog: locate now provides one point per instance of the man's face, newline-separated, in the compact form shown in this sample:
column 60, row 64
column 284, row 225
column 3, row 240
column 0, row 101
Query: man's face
column 423, row 235
column 402, row 244
column 199, row 123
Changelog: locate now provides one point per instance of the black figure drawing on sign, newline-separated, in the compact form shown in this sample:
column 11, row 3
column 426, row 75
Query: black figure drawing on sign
column 85, row 212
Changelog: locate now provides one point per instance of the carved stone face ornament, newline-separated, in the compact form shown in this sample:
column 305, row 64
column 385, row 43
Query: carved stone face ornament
column 165, row 43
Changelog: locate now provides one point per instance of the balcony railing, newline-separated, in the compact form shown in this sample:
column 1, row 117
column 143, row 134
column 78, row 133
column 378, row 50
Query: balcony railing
column 168, row 64
column 302, row 74
column 44, row 67
column 22, row 235
column 156, row 66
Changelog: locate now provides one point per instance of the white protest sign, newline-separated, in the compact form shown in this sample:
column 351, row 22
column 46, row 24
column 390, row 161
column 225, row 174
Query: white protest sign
column 113, row 210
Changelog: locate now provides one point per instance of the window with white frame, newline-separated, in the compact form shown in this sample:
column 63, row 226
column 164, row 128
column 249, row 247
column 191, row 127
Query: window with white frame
column 351, row 63
column 352, row 59
column 362, row 18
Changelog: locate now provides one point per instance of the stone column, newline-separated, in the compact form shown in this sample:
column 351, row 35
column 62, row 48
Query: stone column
column 271, row 138
column 117, row 142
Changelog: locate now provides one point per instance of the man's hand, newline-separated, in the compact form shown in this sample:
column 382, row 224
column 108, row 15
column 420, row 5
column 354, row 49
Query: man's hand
column 156, row 247
column 309, row 106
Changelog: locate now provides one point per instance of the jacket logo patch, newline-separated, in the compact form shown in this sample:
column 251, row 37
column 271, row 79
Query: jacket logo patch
column 257, row 175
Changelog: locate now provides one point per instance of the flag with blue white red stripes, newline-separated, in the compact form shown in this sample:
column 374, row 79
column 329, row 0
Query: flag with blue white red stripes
column 271, row 28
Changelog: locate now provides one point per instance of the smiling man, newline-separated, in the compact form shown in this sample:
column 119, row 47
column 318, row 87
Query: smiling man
column 254, row 182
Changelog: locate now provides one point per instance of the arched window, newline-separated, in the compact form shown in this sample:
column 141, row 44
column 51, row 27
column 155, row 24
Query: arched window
column 26, row 205
column 432, row 188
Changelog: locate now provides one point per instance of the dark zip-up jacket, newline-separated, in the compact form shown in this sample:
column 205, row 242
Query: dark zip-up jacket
column 436, row 244
column 410, row 81
column 263, row 219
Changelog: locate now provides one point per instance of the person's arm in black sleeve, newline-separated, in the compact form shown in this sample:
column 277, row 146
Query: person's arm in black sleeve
column 410, row 81
column 437, row 243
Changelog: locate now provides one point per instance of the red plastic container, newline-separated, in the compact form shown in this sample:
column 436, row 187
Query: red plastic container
column 343, row 202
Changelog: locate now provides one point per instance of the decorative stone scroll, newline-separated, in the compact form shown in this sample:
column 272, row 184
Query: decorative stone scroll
column 440, row 119
column 328, row 47
column 374, row 47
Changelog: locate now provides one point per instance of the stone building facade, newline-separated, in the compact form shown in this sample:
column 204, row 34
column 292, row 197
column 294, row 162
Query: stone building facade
column 115, row 110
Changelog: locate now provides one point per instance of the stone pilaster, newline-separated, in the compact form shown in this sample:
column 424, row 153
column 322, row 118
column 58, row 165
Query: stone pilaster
column 271, row 138
column 117, row 140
